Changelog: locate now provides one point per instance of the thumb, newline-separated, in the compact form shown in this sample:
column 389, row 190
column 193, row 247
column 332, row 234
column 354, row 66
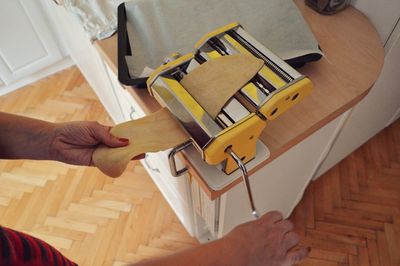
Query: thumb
column 295, row 256
column 103, row 135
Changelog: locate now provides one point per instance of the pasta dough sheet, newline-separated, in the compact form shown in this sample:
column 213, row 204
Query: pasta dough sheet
column 156, row 132
column 213, row 83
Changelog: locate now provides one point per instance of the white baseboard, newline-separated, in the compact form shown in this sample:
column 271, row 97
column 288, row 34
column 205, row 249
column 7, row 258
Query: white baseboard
column 60, row 65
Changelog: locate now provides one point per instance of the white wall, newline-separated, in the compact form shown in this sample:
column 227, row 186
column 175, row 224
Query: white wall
column 384, row 14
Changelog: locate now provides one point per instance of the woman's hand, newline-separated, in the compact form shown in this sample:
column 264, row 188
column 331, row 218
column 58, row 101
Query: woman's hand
column 268, row 241
column 75, row 142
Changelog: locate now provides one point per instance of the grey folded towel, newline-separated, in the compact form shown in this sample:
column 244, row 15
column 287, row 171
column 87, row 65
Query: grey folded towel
column 157, row 28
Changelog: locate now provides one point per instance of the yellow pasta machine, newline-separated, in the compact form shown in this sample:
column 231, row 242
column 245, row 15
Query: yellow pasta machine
column 230, row 137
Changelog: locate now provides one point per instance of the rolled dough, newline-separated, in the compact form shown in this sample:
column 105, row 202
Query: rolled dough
column 156, row 132
column 213, row 83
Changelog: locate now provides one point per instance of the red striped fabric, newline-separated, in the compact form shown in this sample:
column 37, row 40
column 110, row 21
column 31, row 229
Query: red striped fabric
column 17, row 249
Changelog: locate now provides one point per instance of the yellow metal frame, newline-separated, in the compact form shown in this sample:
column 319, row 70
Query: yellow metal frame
column 285, row 99
column 157, row 72
column 273, row 78
column 213, row 55
column 214, row 33
column 241, row 137
column 252, row 90
column 195, row 108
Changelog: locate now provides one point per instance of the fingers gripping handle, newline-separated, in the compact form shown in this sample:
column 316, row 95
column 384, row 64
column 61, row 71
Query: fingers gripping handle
column 246, row 181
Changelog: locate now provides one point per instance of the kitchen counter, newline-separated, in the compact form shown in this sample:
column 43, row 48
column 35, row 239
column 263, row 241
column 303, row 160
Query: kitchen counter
column 353, row 60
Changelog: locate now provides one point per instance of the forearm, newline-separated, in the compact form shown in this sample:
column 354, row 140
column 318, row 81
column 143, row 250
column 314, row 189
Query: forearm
column 219, row 252
column 24, row 138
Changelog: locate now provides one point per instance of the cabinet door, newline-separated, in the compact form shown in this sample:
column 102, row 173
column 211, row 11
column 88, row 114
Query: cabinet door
column 129, row 108
column 176, row 190
column 88, row 60
column 395, row 116
column 373, row 113
column 27, row 44
column 280, row 184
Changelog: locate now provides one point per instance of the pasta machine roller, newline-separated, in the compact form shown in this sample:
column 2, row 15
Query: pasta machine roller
column 229, row 139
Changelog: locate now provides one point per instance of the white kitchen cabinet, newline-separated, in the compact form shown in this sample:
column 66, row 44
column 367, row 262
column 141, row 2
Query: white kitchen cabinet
column 87, row 59
column 395, row 116
column 376, row 111
column 27, row 44
column 280, row 184
column 383, row 14
column 392, row 39
column 127, row 105
column 176, row 190
column 122, row 107
column 277, row 186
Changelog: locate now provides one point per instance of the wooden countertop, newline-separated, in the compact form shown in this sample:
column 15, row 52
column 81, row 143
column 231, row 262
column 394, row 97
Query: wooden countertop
column 352, row 63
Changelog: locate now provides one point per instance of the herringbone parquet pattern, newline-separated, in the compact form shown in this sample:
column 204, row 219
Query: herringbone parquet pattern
column 92, row 219
column 351, row 215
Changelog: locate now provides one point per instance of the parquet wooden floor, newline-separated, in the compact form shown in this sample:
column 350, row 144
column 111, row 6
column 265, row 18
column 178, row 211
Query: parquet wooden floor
column 350, row 216
column 90, row 218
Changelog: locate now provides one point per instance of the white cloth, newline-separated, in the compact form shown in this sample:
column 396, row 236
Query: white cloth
column 98, row 17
